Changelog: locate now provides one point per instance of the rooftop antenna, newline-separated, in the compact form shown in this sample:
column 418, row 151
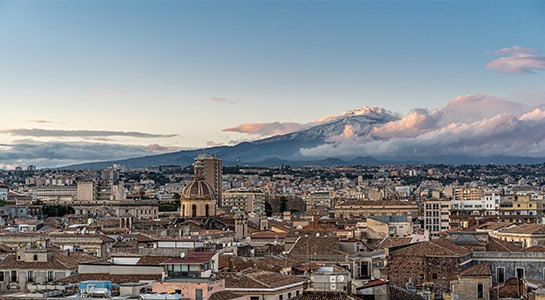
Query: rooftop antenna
column 238, row 159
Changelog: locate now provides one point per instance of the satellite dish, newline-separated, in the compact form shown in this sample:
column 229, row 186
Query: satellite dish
column 182, row 255
column 340, row 278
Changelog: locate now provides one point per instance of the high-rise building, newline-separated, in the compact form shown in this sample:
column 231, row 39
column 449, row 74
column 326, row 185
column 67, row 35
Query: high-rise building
column 212, row 172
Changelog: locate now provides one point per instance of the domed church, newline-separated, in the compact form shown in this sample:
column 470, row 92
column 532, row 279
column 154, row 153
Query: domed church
column 198, row 198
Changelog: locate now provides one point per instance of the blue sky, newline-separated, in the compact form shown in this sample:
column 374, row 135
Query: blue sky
column 100, row 80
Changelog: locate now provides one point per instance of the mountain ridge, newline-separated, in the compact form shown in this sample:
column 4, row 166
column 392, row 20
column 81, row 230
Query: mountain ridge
column 356, row 126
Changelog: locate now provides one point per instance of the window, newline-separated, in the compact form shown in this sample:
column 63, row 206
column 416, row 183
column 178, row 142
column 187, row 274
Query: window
column 1, row 276
column 13, row 275
column 520, row 273
column 254, row 298
column 30, row 276
column 500, row 274
column 434, row 276
column 281, row 297
column 49, row 275
column 480, row 291
column 35, row 257
column 289, row 295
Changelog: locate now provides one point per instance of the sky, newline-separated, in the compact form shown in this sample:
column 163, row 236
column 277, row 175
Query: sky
column 101, row 80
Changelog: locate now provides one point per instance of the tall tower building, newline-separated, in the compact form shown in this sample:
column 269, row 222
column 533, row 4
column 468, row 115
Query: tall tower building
column 212, row 172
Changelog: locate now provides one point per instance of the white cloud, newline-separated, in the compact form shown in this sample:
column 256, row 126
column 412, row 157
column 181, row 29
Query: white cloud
column 517, row 60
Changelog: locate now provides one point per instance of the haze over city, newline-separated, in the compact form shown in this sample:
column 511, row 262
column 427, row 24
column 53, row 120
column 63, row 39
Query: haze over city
column 102, row 80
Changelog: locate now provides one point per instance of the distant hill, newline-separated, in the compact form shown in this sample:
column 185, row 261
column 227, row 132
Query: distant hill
column 286, row 149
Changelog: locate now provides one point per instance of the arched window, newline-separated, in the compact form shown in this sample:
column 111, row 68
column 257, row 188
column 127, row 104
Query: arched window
column 193, row 210
column 206, row 210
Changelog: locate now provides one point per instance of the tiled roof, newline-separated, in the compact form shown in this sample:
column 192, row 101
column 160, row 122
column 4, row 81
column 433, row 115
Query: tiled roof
column 372, row 283
column 497, row 245
column 537, row 248
column 58, row 261
column 152, row 260
column 477, row 270
column 114, row 278
column 224, row 295
column 494, row 225
column 144, row 238
column 255, row 278
column 126, row 244
column 436, row 247
column 395, row 241
column 268, row 235
column 316, row 245
column 526, row 229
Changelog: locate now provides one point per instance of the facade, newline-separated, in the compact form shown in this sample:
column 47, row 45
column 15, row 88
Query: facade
column 54, row 194
column 140, row 209
column 473, row 284
column 34, row 263
column 520, row 209
column 191, row 276
column 358, row 209
column 433, row 264
column 436, row 216
column 379, row 227
column 251, row 201
column 525, row 235
column 212, row 172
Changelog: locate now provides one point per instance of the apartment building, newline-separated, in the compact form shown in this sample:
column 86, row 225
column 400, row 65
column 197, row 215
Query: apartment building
column 437, row 216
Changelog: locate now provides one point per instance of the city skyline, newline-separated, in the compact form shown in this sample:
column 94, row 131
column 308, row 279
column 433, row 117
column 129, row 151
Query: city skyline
column 103, row 80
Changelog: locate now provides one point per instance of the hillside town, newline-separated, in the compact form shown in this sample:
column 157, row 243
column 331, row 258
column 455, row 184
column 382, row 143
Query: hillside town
column 214, row 232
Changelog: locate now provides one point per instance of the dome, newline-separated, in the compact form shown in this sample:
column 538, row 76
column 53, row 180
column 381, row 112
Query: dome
column 198, row 189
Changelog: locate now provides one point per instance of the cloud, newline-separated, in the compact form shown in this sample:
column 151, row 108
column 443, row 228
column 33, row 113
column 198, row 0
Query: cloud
column 517, row 60
column 162, row 149
column 45, row 122
column 474, row 107
column 35, row 132
column 266, row 129
column 411, row 125
column 54, row 154
column 224, row 100
column 476, row 125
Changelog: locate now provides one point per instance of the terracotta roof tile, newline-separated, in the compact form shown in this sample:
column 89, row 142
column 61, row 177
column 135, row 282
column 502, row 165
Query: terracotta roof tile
column 526, row 229
column 477, row 270
column 114, row 278
column 255, row 278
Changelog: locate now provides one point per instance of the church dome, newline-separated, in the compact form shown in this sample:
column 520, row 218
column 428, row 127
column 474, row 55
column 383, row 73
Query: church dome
column 198, row 189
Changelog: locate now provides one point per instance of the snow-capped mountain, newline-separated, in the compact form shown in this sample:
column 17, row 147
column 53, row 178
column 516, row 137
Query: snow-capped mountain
column 354, row 126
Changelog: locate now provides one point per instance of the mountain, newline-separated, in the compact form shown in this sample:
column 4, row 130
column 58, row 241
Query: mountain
column 286, row 149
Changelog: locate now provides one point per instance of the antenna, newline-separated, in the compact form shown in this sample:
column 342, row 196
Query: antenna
column 238, row 159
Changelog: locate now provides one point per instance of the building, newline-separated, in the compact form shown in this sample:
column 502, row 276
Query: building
column 436, row 216
column 358, row 209
column 198, row 197
column 473, row 283
column 251, row 201
column 525, row 235
column 212, row 172
column 36, row 262
column 191, row 275
column 433, row 264
column 379, row 227
column 263, row 285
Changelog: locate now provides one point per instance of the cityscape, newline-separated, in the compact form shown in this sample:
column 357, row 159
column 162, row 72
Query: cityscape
column 209, row 231
column 272, row 150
